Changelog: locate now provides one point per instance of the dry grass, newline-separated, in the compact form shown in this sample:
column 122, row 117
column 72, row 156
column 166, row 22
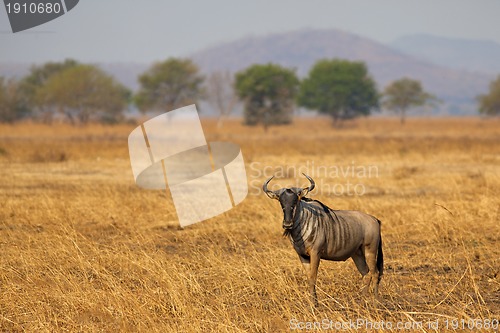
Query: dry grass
column 84, row 249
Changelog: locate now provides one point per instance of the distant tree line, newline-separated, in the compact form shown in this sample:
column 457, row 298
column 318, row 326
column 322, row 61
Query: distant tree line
column 77, row 93
column 81, row 93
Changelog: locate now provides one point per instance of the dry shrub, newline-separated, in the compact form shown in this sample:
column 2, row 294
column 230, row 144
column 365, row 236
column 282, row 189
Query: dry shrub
column 404, row 172
column 48, row 156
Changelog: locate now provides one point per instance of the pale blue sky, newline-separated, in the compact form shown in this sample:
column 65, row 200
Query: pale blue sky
column 148, row 30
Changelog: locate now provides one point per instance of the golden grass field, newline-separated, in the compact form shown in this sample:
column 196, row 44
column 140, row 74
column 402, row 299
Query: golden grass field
column 84, row 249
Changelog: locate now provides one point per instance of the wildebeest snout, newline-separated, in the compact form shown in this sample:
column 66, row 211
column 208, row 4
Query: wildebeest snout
column 288, row 200
column 288, row 216
column 287, row 224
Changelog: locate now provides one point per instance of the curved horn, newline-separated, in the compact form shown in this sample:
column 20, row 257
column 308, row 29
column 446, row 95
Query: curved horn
column 313, row 184
column 269, row 193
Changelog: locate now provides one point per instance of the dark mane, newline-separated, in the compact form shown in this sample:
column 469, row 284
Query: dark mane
column 325, row 207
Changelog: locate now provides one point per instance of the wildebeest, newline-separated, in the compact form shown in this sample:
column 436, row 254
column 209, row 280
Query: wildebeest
column 319, row 232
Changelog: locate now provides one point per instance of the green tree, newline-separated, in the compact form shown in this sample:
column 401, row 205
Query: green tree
column 489, row 104
column 83, row 93
column 35, row 80
column 12, row 104
column 169, row 85
column 340, row 88
column 402, row 94
column 268, row 93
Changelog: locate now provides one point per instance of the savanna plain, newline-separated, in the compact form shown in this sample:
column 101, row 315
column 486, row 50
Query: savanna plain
column 83, row 249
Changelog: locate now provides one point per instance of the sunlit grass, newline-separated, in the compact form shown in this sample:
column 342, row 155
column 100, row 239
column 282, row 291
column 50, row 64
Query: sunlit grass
column 84, row 249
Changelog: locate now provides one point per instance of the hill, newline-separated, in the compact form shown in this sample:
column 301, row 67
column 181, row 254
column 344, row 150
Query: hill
column 300, row 49
column 473, row 55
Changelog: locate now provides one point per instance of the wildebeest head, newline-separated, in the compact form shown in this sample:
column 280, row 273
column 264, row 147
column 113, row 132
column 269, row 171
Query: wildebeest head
column 289, row 199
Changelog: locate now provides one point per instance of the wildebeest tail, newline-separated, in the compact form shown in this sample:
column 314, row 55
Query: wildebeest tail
column 380, row 255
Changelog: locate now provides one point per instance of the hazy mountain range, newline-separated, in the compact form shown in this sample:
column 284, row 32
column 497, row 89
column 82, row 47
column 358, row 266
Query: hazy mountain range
column 464, row 54
column 454, row 70
column 457, row 88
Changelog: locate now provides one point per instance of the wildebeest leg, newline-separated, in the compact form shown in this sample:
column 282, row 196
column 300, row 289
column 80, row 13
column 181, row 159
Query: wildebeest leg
column 371, row 260
column 306, row 262
column 313, row 275
column 360, row 261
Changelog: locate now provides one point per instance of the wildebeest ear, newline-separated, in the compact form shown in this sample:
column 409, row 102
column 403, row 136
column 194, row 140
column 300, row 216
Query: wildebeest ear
column 303, row 192
column 272, row 195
